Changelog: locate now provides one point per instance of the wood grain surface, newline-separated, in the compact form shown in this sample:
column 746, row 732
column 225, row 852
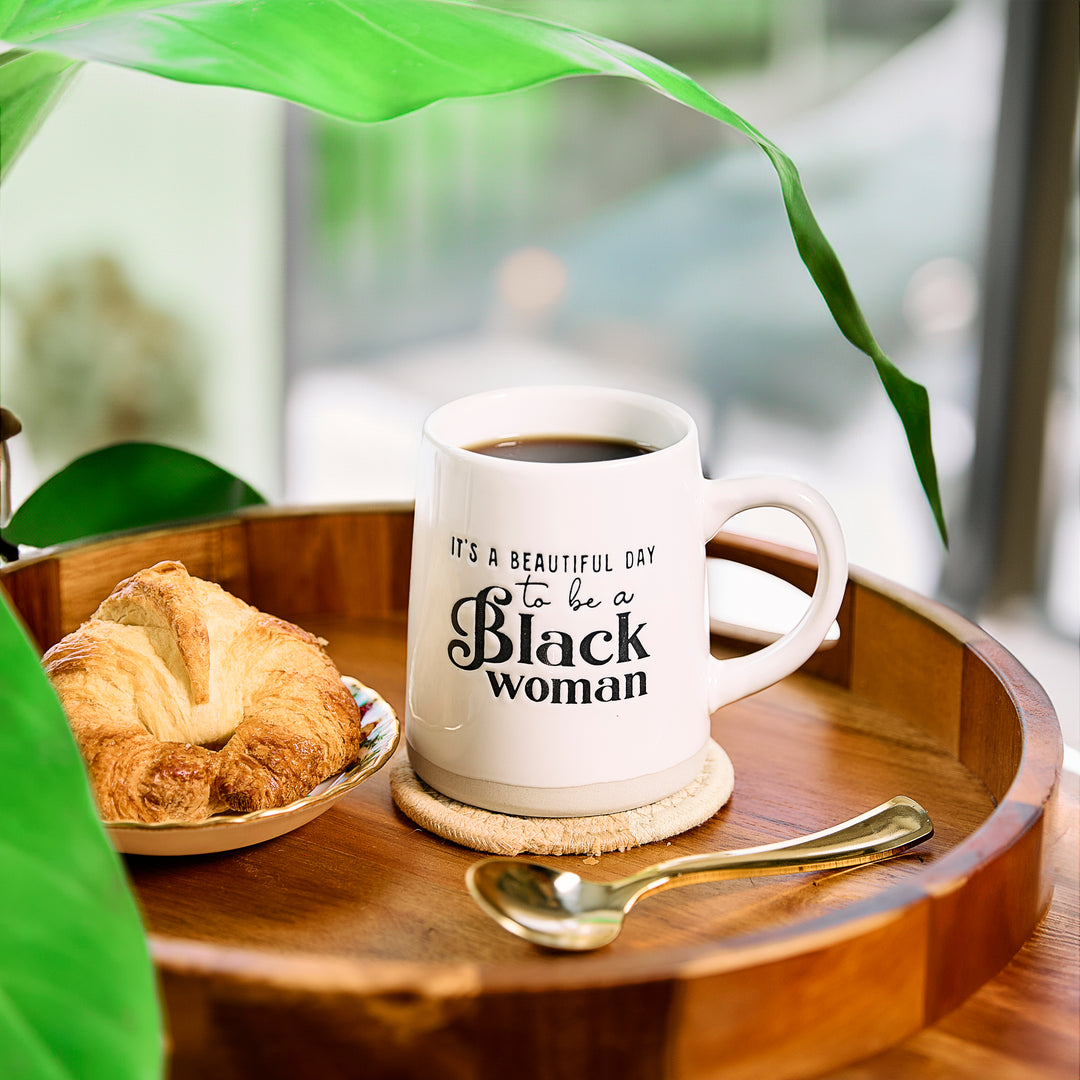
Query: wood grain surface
column 1025, row 1023
column 350, row 946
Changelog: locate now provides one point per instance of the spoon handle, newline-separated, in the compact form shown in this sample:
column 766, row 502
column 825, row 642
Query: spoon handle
column 878, row 834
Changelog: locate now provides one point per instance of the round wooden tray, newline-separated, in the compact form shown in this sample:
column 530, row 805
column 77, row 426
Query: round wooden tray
column 350, row 946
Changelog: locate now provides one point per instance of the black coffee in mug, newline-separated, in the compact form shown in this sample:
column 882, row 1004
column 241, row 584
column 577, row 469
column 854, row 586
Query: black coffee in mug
column 561, row 449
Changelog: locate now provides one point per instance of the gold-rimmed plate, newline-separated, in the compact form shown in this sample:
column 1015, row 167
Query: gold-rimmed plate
column 225, row 832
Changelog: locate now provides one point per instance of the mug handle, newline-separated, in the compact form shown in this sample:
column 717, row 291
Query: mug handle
column 740, row 676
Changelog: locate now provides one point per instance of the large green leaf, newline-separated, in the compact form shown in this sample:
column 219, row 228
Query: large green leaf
column 127, row 486
column 376, row 59
column 31, row 84
column 77, row 991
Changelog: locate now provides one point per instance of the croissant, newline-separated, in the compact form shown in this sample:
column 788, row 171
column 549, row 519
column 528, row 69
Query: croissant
column 185, row 702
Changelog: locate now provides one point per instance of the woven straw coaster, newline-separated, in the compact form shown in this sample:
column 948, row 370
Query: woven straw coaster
column 506, row 834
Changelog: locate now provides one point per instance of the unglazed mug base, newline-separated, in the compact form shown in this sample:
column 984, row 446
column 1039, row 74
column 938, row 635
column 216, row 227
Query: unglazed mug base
column 588, row 800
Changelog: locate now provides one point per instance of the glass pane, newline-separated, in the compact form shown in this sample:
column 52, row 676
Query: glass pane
column 593, row 231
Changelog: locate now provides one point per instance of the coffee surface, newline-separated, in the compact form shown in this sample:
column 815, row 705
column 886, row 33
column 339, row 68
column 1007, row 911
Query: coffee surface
column 561, row 449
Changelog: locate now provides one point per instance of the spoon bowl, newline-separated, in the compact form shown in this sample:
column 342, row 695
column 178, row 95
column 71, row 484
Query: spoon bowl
column 560, row 910
column 549, row 907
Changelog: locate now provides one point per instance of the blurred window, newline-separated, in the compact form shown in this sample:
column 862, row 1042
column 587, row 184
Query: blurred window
column 592, row 230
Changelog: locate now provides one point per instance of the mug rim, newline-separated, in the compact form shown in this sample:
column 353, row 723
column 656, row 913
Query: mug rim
column 478, row 405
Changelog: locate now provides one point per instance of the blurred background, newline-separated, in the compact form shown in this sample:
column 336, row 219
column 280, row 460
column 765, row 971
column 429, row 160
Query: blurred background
column 290, row 295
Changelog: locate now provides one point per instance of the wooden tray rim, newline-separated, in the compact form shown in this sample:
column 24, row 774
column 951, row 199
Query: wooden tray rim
column 1037, row 777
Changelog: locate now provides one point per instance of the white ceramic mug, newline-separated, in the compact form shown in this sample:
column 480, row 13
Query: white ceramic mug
column 558, row 639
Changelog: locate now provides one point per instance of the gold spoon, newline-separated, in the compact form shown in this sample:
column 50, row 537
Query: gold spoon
column 558, row 909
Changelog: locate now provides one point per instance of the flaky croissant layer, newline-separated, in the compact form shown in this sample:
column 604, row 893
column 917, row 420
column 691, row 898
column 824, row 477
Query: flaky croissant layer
column 185, row 702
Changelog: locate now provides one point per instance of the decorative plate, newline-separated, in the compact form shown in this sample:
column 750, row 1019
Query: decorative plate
column 225, row 832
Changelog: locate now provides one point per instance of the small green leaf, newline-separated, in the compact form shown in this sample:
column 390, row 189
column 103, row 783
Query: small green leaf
column 376, row 59
column 78, row 996
column 31, row 83
column 912, row 404
column 127, row 486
